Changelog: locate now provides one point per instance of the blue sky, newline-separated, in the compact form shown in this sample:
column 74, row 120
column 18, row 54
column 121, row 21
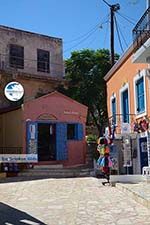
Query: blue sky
column 80, row 23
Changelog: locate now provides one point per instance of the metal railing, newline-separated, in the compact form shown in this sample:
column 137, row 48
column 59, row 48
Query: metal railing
column 117, row 122
column 141, row 32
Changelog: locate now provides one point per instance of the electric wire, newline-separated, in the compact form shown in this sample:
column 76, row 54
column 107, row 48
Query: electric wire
column 119, row 39
column 106, row 32
column 129, row 20
column 82, row 36
column 122, row 35
column 68, row 49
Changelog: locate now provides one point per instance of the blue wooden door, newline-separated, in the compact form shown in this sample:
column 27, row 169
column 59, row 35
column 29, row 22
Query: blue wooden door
column 143, row 152
column 31, row 138
column 125, row 106
column 61, row 141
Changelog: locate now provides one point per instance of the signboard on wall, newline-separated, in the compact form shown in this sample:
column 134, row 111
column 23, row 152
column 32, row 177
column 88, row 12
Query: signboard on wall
column 14, row 91
column 127, row 151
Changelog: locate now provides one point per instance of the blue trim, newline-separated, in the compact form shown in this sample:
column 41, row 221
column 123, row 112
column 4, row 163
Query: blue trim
column 125, row 106
column 31, row 138
column 140, row 95
column 61, row 141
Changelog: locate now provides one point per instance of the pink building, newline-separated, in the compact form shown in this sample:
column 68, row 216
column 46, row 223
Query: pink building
column 51, row 126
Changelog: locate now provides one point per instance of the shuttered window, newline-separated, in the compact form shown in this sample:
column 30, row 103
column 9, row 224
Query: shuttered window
column 16, row 56
column 140, row 95
column 75, row 131
column 43, row 61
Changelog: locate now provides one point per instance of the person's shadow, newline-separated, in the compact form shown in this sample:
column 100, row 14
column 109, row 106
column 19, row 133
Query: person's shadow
column 10, row 215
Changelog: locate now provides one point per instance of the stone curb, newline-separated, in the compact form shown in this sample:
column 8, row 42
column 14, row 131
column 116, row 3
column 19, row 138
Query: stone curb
column 134, row 195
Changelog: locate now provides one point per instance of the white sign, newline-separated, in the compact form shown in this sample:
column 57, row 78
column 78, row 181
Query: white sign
column 18, row 158
column 125, row 128
column 14, row 91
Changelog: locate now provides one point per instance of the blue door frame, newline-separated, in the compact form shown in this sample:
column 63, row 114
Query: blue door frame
column 143, row 152
column 61, row 138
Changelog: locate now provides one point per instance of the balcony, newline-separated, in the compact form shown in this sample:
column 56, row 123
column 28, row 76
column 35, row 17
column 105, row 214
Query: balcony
column 120, row 125
column 141, row 39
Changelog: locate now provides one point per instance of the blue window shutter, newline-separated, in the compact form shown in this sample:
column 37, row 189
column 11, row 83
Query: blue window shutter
column 79, row 133
column 114, row 110
column 61, row 141
column 140, row 95
column 125, row 106
column 31, row 135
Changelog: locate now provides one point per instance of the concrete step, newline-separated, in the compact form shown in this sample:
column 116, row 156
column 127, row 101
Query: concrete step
column 56, row 173
column 57, row 166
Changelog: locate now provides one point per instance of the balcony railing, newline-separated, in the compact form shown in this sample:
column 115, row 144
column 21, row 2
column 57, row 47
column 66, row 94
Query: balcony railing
column 122, row 123
column 141, row 32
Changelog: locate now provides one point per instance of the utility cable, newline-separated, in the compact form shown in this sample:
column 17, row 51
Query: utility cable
column 122, row 35
column 118, row 34
column 82, row 36
column 81, row 41
column 125, row 17
column 106, row 32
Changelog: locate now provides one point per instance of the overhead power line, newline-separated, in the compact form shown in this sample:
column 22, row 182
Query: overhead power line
column 126, row 18
column 121, row 46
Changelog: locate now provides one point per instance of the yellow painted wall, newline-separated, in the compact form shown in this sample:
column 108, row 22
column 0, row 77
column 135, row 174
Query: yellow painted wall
column 11, row 129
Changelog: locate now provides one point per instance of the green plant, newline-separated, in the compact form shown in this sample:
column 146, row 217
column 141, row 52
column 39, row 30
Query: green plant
column 92, row 138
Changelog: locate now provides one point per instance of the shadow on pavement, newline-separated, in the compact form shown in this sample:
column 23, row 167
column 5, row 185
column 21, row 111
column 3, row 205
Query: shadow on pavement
column 10, row 215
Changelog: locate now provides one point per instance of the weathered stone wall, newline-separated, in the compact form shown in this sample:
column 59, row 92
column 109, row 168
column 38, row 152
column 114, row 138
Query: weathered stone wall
column 31, row 42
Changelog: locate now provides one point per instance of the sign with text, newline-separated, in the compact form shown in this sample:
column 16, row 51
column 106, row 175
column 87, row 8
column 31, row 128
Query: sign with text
column 18, row 158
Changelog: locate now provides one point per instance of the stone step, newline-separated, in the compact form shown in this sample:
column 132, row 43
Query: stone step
column 56, row 173
column 48, row 166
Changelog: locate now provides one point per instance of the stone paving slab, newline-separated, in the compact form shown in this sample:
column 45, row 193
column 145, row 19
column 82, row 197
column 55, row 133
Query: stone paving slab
column 140, row 192
column 73, row 201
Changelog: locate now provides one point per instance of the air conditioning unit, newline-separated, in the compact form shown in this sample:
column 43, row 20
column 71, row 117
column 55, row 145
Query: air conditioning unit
column 148, row 72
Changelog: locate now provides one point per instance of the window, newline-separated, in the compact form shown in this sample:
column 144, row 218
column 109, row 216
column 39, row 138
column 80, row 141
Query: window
column 113, row 107
column 140, row 99
column 16, row 56
column 42, row 61
column 71, row 131
column 125, row 106
column 74, row 131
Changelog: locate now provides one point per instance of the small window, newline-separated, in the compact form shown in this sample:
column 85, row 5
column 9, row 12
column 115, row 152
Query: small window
column 140, row 97
column 71, row 130
column 16, row 56
column 42, row 61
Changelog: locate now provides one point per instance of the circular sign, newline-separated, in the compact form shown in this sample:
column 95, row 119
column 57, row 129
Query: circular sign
column 14, row 91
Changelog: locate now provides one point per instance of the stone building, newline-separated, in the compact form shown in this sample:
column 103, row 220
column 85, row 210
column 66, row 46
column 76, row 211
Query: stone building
column 34, row 60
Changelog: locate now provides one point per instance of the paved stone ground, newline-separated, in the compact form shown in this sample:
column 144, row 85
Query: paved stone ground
column 75, row 201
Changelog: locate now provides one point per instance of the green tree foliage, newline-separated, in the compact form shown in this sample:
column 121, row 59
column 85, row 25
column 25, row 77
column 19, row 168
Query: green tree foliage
column 85, row 71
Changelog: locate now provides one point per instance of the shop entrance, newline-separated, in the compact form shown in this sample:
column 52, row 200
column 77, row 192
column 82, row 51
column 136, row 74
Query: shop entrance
column 46, row 142
column 143, row 152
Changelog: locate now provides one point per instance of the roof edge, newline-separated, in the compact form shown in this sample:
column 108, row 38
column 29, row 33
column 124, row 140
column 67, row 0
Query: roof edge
column 118, row 64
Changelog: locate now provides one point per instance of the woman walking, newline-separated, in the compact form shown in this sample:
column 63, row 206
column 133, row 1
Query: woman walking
column 104, row 161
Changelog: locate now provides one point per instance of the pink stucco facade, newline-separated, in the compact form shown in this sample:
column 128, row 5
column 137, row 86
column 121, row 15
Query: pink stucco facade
column 56, row 107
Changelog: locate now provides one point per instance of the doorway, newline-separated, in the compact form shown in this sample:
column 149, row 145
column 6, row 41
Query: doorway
column 143, row 152
column 46, row 141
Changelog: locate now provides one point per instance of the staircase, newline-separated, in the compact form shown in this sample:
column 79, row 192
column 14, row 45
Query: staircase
column 56, row 172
